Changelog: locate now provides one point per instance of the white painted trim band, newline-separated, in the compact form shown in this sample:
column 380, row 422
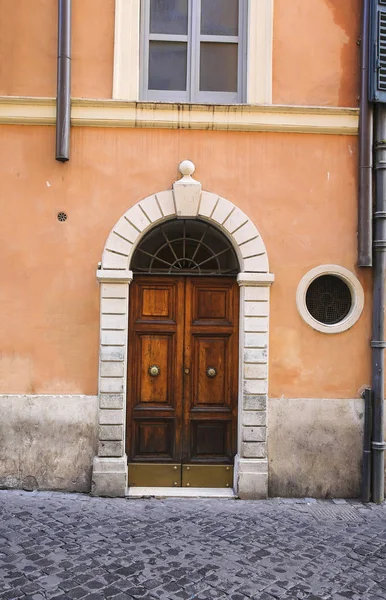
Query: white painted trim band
column 112, row 113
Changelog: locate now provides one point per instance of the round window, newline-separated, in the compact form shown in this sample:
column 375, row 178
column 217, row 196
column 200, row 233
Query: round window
column 330, row 298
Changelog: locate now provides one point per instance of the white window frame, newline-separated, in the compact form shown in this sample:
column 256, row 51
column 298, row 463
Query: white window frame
column 127, row 43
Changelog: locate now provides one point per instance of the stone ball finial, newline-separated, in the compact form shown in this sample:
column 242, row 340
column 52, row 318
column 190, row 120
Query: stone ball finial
column 186, row 168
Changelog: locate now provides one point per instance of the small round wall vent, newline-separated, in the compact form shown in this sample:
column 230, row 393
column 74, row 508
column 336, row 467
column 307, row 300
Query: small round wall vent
column 330, row 298
column 62, row 216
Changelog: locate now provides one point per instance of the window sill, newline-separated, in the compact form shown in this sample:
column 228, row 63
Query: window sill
column 169, row 115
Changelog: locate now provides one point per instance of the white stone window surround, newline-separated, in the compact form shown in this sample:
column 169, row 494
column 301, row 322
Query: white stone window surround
column 357, row 296
column 185, row 200
column 126, row 76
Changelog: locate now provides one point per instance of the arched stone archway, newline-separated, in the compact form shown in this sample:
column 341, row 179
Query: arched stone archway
column 185, row 200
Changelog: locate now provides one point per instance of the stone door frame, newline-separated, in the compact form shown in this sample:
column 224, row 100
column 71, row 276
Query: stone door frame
column 185, row 200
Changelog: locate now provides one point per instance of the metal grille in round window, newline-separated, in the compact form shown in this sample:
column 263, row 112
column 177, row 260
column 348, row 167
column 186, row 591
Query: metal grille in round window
column 185, row 247
column 328, row 299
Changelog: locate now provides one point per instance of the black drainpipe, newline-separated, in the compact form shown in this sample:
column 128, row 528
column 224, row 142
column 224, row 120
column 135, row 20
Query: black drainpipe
column 366, row 462
column 378, row 338
column 63, row 95
column 365, row 195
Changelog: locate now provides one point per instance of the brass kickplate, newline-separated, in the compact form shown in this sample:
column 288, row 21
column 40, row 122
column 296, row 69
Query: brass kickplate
column 207, row 476
column 154, row 475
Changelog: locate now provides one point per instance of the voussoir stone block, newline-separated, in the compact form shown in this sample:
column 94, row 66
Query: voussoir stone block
column 166, row 202
column 118, row 244
column 138, row 218
column 150, row 207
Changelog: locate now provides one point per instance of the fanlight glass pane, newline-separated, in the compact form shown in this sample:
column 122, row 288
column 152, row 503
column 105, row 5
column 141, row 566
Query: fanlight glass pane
column 185, row 247
column 167, row 65
column 218, row 67
column 219, row 17
column 169, row 16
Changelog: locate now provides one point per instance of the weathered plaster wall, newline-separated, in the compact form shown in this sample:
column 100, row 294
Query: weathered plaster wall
column 300, row 191
column 315, row 447
column 315, row 52
column 28, row 41
column 47, row 442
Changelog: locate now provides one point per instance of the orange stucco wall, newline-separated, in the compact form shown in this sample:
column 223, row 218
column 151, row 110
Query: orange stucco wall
column 300, row 190
column 28, row 47
column 315, row 52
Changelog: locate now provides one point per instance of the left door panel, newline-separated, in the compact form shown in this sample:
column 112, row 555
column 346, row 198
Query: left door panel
column 155, row 375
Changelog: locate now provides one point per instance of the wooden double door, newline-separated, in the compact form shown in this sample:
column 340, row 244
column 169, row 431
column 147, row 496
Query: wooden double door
column 182, row 381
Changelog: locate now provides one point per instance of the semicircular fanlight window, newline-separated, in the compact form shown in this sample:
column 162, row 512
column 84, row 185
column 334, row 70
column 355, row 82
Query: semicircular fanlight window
column 185, row 247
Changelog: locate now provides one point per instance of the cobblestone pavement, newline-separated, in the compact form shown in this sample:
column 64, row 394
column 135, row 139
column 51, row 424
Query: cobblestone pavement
column 72, row 546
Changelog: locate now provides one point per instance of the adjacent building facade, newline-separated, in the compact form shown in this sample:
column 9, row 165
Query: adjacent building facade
column 180, row 301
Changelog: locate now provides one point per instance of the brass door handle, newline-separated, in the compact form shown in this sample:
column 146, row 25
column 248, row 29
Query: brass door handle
column 186, row 371
column 154, row 370
column 211, row 372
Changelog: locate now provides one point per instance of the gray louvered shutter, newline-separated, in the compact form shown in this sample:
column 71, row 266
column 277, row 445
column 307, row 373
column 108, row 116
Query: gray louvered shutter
column 377, row 71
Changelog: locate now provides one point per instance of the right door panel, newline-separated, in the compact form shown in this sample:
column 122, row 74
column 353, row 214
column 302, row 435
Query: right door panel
column 211, row 363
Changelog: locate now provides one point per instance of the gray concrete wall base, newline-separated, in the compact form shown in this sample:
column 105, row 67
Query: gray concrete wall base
column 109, row 477
column 315, row 447
column 251, row 478
column 47, row 442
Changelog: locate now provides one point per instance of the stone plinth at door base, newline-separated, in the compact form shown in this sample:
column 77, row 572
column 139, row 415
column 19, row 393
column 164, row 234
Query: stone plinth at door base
column 251, row 478
column 109, row 477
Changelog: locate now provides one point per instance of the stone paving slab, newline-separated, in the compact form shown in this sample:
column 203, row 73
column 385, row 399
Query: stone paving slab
column 55, row 545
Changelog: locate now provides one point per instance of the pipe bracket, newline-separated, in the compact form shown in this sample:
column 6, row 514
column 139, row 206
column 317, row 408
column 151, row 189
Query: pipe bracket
column 380, row 446
column 380, row 244
column 378, row 344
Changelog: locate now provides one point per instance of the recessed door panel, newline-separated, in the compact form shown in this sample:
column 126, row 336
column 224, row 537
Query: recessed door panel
column 211, row 376
column 154, row 439
column 212, row 302
column 156, row 368
column 209, row 439
column 156, row 302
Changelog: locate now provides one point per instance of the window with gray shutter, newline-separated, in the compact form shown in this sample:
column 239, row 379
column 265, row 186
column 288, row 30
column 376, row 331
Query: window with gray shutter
column 377, row 72
column 194, row 51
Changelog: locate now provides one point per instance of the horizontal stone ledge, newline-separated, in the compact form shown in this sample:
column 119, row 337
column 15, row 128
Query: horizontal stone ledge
column 255, row 279
column 114, row 276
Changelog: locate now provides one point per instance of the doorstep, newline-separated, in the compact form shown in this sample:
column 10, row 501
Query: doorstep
column 181, row 492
